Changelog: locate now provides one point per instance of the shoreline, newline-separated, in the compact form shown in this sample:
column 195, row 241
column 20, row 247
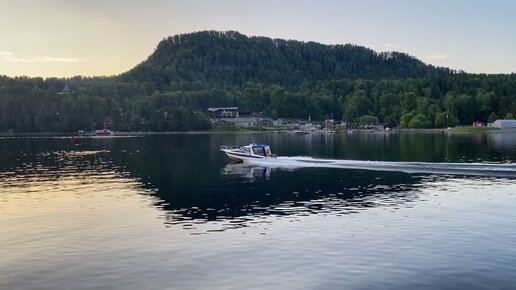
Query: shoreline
column 141, row 133
column 130, row 133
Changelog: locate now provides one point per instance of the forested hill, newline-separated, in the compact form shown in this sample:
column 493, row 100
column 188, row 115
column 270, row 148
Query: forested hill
column 269, row 77
column 232, row 59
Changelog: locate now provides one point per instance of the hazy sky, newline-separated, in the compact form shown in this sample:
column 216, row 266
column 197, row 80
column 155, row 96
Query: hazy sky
column 105, row 37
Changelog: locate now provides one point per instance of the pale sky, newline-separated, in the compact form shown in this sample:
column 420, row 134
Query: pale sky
column 105, row 37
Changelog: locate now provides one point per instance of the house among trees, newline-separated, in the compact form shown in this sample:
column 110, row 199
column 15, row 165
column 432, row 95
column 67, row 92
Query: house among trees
column 329, row 123
column 264, row 123
column 66, row 89
column 108, row 123
column 289, row 121
column 223, row 112
column 223, row 123
column 478, row 124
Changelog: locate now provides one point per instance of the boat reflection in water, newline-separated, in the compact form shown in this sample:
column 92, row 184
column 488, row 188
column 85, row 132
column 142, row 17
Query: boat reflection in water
column 252, row 172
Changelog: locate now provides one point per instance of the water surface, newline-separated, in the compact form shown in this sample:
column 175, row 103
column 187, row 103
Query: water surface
column 171, row 212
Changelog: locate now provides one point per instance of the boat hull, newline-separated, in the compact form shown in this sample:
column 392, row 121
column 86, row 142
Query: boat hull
column 242, row 157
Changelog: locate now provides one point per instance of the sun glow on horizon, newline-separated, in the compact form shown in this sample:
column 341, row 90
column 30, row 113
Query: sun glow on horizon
column 57, row 38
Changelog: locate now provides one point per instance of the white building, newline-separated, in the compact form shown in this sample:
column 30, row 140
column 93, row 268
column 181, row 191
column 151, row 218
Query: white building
column 241, row 122
column 224, row 112
column 505, row 123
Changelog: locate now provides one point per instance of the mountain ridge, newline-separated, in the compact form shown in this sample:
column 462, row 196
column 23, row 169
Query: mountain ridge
column 232, row 58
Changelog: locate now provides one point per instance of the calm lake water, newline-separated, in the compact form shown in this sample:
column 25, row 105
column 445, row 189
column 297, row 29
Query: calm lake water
column 171, row 212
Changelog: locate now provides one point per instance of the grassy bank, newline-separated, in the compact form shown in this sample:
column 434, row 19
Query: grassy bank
column 471, row 129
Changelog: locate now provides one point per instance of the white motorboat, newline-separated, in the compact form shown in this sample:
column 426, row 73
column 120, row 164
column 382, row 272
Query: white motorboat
column 251, row 152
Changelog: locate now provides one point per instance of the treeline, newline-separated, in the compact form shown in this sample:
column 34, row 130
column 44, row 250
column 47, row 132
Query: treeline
column 230, row 59
column 275, row 78
column 37, row 105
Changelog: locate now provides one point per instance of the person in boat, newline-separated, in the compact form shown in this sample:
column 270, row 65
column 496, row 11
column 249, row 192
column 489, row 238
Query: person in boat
column 262, row 150
column 258, row 150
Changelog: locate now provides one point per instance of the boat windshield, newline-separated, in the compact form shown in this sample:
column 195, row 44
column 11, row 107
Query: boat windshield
column 259, row 150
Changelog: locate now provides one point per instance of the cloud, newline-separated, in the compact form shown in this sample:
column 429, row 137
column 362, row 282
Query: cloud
column 10, row 57
column 437, row 56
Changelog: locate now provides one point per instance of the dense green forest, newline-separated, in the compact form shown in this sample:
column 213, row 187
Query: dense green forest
column 272, row 77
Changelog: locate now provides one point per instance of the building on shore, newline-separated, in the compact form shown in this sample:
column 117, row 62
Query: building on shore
column 242, row 122
column 222, row 123
column 504, row 123
column 265, row 123
column 329, row 124
column 223, row 112
column 478, row 124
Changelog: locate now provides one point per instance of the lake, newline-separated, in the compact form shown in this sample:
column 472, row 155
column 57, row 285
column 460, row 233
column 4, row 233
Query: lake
column 172, row 212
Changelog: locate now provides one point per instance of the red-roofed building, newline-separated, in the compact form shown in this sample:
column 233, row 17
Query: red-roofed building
column 478, row 124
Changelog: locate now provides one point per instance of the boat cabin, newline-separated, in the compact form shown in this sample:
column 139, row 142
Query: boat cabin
column 261, row 150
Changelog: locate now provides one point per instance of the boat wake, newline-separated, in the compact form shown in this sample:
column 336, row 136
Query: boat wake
column 480, row 169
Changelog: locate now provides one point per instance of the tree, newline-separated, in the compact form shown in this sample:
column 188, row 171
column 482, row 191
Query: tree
column 492, row 117
column 444, row 120
column 368, row 120
column 390, row 121
column 419, row 121
column 356, row 105
column 483, row 105
column 405, row 120
column 449, row 102
column 465, row 108
column 409, row 102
